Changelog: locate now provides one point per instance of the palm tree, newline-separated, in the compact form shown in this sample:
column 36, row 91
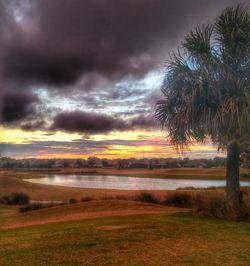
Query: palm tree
column 207, row 91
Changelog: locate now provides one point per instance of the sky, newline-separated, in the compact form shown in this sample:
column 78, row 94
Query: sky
column 81, row 78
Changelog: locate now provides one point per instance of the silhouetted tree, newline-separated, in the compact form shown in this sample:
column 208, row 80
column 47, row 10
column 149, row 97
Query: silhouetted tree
column 207, row 90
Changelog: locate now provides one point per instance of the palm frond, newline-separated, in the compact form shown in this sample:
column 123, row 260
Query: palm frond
column 207, row 87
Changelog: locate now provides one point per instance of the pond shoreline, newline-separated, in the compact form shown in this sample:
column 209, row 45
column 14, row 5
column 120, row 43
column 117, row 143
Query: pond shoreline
column 126, row 182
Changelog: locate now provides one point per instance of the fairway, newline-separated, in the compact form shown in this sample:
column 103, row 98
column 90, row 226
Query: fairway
column 11, row 218
column 160, row 236
column 115, row 232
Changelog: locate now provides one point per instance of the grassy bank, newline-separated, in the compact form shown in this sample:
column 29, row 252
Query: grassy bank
column 182, row 173
column 146, row 239
column 12, row 181
column 115, row 232
column 189, row 173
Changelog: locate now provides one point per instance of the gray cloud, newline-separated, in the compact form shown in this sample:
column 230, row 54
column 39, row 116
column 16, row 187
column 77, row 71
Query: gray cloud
column 93, row 123
column 58, row 41
column 89, row 52
column 17, row 106
column 89, row 123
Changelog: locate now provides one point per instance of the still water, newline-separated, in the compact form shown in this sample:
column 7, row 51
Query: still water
column 126, row 183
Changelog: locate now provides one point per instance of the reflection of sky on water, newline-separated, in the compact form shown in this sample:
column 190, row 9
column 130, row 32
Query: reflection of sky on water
column 126, row 183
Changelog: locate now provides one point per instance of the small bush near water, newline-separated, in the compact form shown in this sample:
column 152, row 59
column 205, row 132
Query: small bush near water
column 181, row 200
column 16, row 198
column 215, row 206
column 146, row 197
column 72, row 201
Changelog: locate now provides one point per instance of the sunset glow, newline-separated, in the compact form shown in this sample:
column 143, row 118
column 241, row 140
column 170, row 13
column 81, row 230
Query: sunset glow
column 60, row 102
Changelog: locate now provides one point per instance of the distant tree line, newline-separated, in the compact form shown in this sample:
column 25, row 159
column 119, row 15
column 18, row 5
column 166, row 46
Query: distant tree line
column 92, row 162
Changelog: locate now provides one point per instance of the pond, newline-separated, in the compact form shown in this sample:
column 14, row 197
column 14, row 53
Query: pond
column 126, row 183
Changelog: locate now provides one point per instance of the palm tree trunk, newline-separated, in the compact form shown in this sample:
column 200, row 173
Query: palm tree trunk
column 232, row 175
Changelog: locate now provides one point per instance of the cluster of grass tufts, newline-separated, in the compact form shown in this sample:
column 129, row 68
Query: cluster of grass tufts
column 16, row 198
column 72, row 201
column 212, row 204
column 147, row 197
column 215, row 206
column 178, row 199
column 181, row 200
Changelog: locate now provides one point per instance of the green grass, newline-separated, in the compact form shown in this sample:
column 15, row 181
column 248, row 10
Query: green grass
column 131, row 240
column 151, row 239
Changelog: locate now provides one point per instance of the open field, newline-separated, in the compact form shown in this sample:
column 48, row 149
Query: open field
column 115, row 232
column 119, row 233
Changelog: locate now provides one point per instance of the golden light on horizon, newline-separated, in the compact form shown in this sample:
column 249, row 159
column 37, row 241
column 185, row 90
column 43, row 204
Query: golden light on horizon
column 137, row 143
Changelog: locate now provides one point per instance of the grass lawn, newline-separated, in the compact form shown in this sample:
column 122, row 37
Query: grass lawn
column 157, row 238
column 114, row 232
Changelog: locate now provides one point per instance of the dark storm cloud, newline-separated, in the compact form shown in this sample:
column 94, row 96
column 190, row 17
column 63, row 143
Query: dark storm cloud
column 17, row 106
column 92, row 123
column 60, row 40
column 88, row 45
column 89, row 123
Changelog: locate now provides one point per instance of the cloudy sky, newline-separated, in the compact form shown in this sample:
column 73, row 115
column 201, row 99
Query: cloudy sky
column 81, row 78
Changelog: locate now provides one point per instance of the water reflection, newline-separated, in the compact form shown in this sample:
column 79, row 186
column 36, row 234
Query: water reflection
column 126, row 183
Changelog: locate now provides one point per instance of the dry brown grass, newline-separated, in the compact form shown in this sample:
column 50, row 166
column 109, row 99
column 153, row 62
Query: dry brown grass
column 12, row 181
column 83, row 211
column 215, row 173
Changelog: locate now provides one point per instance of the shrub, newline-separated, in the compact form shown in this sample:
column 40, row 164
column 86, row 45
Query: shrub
column 217, row 206
column 214, row 206
column 16, row 198
column 72, row 201
column 182, row 200
column 146, row 197
column 19, row 198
